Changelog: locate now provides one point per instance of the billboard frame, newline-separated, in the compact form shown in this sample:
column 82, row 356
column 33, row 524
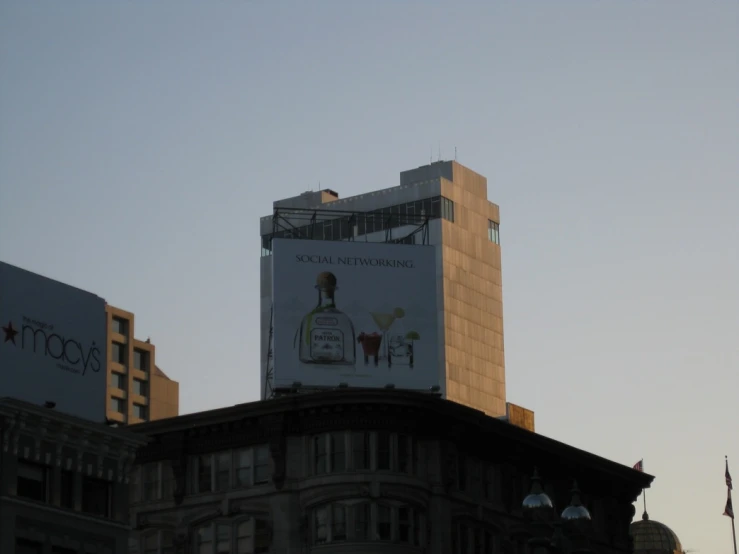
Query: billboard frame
column 301, row 224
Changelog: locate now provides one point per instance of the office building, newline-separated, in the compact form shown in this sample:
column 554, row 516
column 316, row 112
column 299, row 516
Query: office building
column 52, row 351
column 370, row 471
column 443, row 204
column 63, row 482
column 137, row 389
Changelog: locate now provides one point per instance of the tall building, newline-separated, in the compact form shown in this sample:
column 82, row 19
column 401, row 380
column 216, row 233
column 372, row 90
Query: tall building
column 63, row 482
column 52, row 350
column 450, row 201
column 371, row 471
column 137, row 389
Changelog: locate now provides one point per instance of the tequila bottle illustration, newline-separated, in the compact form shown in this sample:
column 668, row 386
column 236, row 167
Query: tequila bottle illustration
column 326, row 333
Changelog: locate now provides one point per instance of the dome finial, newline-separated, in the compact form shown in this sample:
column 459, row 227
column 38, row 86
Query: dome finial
column 645, row 516
column 537, row 498
column 576, row 511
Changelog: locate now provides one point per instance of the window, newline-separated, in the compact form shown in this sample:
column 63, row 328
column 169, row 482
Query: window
column 141, row 359
column 205, row 540
column 244, row 537
column 405, row 457
column 118, row 381
column 338, row 522
column 140, row 411
column 23, row 546
column 462, row 472
column 360, row 520
column 95, row 496
column 473, row 539
column 152, row 489
column 140, row 387
column 119, row 325
column 360, row 450
column 158, row 542
column 447, row 209
column 493, row 231
column 363, row 450
column 261, row 469
column 118, row 405
column 383, row 529
column 66, row 489
column 243, row 467
column 475, row 476
column 205, row 473
column 337, row 447
column 32, row 481
column 213, row 471
column 383, row 450
column 222, row 471
column 152, row 481
column 117, row 353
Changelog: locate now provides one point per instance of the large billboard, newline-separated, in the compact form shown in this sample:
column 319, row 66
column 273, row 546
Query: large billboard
column 363, row 314
column 52, row 343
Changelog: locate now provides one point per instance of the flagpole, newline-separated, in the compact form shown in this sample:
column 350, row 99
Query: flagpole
column 733, row 534
column 644, row 498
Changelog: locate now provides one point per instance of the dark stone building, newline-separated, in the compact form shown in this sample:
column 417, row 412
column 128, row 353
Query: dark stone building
column 63, row 482
column 367, row 472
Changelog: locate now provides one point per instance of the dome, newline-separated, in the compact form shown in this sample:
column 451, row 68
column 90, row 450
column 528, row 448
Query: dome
column 653, row 537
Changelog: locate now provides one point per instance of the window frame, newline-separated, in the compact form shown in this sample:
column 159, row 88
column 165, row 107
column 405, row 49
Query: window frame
column 161, row 546
column 118, row 405
column 118, row 380
column 141, row 387
column 107, row 505
column 143, row 359
column 121, row 349
column 118, row 325
column 43, row 483
column 259, row 458
column 362, row 522
column 260, row 528
column 139, row 409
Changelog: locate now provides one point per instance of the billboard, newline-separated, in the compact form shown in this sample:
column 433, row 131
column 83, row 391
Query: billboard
column 52, row 343
column 364, row 314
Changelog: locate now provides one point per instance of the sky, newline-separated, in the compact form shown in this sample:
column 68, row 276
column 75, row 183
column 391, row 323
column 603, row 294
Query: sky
column 140, row 142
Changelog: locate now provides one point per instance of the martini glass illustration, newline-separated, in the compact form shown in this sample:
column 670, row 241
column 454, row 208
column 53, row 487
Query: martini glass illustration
column 384, row 321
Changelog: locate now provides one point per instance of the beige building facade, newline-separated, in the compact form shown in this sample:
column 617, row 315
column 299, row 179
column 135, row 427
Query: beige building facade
column 137, row 389
column 464, row 226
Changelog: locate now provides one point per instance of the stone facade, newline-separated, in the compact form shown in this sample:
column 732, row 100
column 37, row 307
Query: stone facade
column 360, row 471
column 63, row 483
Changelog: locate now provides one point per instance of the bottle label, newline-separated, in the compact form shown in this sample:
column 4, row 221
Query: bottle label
column 327, row 345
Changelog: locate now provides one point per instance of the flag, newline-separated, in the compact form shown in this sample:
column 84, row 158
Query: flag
column 728, row 476
column 729, row 509
column 639, row 466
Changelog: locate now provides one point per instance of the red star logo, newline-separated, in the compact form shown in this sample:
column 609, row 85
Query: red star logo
column 10, row 332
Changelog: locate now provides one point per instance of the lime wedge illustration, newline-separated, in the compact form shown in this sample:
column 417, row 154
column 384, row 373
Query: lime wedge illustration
column 398, row 313
column 412, row 335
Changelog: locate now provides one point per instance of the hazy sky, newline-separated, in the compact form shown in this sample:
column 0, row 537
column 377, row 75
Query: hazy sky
column 140, row 142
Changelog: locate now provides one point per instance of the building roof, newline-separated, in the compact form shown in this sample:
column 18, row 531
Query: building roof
column 653, row 537
column 418, row 412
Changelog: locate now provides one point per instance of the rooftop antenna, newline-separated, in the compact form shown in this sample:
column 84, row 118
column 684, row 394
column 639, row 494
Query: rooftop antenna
column 455, row 153
column 431, row 155
column 439, row 159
